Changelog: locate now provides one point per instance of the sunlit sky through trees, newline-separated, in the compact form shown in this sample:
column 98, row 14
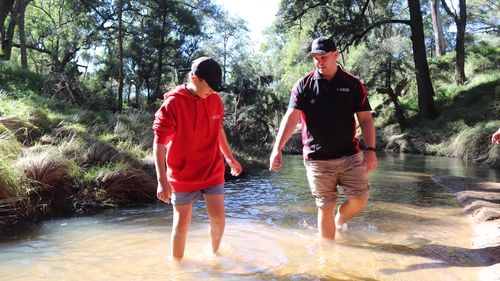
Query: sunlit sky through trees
column 259, row 14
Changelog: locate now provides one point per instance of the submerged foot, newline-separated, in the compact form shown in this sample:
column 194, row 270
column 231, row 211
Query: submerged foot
column 341, row 228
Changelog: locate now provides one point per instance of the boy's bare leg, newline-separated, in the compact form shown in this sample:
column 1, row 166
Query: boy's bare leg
column 348, row 210
column 180, row 228
column 217, row 216
column 326, row 223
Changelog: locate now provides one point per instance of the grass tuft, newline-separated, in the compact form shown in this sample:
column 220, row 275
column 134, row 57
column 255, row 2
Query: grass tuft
column 9, row 184
column 47, row 170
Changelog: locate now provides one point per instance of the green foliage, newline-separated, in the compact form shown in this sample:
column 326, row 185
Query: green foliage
column 442, row 68
column 482, row 58
column 15, row 80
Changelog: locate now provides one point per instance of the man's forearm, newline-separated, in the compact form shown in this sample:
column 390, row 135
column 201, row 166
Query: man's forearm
column 287, row 127
column 368, row 132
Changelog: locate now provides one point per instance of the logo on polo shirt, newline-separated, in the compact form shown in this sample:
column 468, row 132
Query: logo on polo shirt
column 344, row 90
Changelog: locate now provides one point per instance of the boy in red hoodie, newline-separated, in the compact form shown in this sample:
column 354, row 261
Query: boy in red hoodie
column 189, row 139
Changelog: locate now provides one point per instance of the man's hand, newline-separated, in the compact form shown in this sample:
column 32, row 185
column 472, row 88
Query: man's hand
column 495, row 138
column 370, row 160
column 275, row 160
column 164, row 192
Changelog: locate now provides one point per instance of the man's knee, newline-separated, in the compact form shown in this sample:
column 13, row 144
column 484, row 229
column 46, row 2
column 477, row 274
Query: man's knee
column 358, row 202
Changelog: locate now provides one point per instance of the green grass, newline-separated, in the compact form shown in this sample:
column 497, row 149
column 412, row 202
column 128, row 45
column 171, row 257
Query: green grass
column 10, row 147
column 9, row 183
column 90, row 176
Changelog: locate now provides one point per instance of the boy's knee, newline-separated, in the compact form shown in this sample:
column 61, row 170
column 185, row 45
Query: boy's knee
column 218, row 221
column 181, row 228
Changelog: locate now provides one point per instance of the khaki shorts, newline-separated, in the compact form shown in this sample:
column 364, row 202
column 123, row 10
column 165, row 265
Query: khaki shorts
column 349, row 172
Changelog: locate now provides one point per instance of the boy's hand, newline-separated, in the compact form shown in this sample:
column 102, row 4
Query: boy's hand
column 164, row 192
column 235, row 167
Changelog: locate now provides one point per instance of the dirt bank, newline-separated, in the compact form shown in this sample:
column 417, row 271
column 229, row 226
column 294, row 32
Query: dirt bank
column 481, row 202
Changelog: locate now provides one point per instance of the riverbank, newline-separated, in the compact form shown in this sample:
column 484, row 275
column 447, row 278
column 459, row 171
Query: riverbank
column 481, row 202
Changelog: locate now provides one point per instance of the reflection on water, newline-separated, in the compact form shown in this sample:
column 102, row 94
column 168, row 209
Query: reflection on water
column 411, row 230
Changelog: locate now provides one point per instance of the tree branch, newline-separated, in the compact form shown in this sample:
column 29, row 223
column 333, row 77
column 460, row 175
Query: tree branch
column 358, row 37
column 448, row 10
column 304, row 11
column 33, row 47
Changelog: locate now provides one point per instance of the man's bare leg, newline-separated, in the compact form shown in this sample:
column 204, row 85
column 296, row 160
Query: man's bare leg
column 349, row 209
column 326, row 223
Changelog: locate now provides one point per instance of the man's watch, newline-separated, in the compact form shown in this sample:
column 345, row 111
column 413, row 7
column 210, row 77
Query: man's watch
column 369, row 148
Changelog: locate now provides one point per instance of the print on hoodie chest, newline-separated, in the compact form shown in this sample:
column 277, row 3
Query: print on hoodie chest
column 207, row 119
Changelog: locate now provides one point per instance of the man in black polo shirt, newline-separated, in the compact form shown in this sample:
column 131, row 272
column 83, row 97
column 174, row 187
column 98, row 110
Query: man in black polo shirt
column 326, row 101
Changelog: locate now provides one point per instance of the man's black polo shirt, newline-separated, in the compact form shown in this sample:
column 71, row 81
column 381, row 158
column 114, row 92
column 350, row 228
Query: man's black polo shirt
column 328, row 107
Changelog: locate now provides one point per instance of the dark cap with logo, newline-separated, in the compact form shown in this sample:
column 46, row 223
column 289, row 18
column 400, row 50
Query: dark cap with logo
column 209, row 70
column 322, row 45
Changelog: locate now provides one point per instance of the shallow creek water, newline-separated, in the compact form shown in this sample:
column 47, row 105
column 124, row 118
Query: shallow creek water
column 411, row 229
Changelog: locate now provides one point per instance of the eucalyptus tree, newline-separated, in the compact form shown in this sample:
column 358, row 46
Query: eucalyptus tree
column 250, row 103
column 483, row 17
column 460, row 19
column 16, row 10
column 349, row 22
column 56, row 31
column 385, row 63
column 6, row 35
column 228, row 39
column 121, row 74
column 437, row 26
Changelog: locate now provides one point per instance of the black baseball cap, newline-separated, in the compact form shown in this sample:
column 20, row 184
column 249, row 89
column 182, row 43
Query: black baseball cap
column 209, row 70
column 322, row 45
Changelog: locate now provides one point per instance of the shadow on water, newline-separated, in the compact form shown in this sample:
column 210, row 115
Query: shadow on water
column 448, row 256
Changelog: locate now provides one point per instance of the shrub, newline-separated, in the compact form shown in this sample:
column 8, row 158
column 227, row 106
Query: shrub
column 15, row 79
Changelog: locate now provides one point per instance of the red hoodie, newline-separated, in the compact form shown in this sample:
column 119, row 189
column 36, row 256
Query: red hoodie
column 189, row 126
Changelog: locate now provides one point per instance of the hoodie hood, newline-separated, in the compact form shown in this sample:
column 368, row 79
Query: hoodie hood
column 180, row 91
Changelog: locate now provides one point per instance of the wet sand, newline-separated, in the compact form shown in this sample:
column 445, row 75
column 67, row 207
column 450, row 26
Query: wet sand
column 481, row 202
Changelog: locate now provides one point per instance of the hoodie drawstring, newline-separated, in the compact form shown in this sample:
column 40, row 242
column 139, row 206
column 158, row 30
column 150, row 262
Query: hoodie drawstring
column 195, row 114
column 208, row 117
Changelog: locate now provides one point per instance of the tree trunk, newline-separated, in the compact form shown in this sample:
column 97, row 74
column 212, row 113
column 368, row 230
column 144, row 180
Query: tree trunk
column 437, row 25
column 425, row 89
column 460, row 45
column 157, row 94
column 22, row 36
column 398, row 110
column 7, row 40
column 461, row 23
column 5, row 9
column 138, row 86
column 120, row 55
